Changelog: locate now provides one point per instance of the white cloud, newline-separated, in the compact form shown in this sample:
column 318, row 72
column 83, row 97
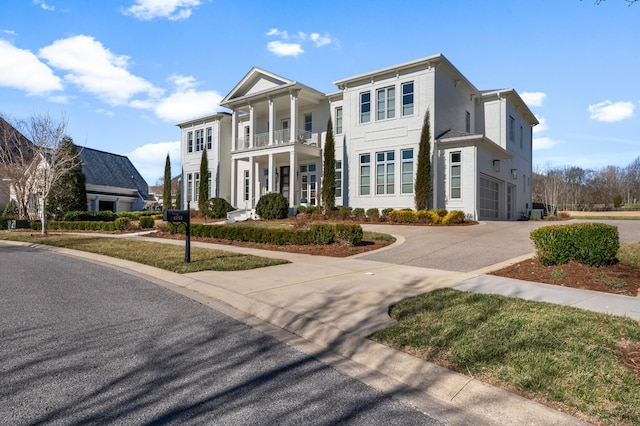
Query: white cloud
column 610, row 112
column 544, row 143
column 533, row 98
column 284, row 49
column 10, row 32
column 186, row 102
column 321, row 40
column 277, row 32
column 542, row 126
column 43, row 5
column 21, row 69
column 96, row 70
column 173, row 10
column 149, row 159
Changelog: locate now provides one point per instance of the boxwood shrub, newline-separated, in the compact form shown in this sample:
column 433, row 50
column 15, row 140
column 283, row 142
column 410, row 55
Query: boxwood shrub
column 594, row 244
column 100, row 216
column 76, row 226
column 147, row 222
column 272, row 206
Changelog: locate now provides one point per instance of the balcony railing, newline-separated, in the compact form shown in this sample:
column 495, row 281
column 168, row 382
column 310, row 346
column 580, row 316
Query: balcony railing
column 280, row 137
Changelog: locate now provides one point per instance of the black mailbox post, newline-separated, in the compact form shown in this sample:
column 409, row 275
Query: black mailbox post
column 181, row 217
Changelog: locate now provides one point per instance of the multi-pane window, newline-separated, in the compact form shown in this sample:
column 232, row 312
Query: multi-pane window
column 196, row 186
column 209, row 137
column 209, row 186
column 365, row 107
column 365, row 174
column 307, row 123
column 512, row 129
column 407, row 99
column 339, row 120
column 455, row 169
column 385, row 172
column 190, row 142
column 467, row 121
column 338, row 179
column 189, row 187
column 199, row 140
column 386, row 99
column 246, row 185
column 521, row 137
column 407, row 171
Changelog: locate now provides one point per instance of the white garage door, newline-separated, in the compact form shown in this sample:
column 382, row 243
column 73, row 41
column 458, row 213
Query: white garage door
column 489, row 197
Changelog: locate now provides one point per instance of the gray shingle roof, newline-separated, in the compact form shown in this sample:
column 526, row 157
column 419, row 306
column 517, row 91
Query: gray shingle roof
column 107, row 169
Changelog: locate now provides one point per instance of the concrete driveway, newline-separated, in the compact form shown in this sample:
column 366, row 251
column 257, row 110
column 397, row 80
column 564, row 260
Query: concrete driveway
column 469, row 248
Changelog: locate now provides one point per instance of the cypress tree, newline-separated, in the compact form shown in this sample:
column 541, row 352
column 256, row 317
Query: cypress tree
column 166, row 189
column 329, row 170
column 203, row 189
column 423, row 184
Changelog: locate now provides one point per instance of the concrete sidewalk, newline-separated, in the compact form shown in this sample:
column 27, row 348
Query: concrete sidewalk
column 336, row 303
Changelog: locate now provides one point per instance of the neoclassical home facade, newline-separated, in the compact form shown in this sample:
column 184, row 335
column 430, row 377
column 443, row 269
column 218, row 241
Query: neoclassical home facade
column 273, row 136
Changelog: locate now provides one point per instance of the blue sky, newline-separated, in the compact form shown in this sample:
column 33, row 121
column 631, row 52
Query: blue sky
column 123, row 72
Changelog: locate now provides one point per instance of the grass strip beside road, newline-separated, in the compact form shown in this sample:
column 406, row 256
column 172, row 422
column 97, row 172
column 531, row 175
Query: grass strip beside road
column 565, row 357
column 164, row 256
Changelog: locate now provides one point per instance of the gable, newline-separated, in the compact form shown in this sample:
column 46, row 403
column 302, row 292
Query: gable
column 256, row 81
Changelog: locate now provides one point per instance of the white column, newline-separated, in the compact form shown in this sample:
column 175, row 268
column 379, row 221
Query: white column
column 294, row 115
column 272, row 121
column 271, row 176
column 293, row 178
column 234, row 176
column 234, row 131
column 252, row 126
column 252, row 169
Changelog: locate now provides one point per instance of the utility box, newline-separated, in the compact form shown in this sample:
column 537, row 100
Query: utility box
column 537, row 214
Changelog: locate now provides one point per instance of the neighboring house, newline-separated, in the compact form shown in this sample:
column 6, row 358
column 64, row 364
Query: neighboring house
column 273, row 138
column 112, row 182
column 157, row 191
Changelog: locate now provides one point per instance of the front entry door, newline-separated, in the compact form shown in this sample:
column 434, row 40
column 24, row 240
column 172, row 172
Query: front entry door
column 309, row 184
column 284, row 181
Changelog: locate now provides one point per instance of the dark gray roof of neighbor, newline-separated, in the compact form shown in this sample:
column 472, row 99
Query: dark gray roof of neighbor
column 450, row 134
column 107, row 169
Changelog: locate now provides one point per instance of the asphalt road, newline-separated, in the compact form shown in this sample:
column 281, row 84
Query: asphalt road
column 85, row 344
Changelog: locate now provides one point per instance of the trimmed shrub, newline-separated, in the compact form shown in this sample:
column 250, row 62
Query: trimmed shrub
column 122, row 223
column 402, row 216
column 84, row 216
column 216, row 208
column 3, row 222
column 352, row 234
column 384, row 215
column 76, row 226
column 594, row 244
column 301, row 210
column 323, row 233
column 147, row 222
column 373, row 215
column 427, row 216
column 358, row 214
column 453, row 217
column 344, row 212
column 441, row 212
column 272, row 206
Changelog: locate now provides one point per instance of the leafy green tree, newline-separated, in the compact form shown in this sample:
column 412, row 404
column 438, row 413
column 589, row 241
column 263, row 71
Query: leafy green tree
column 329, row 171
column 203, row 189
column 166, row 189
column 69, row 191
column 423, row 184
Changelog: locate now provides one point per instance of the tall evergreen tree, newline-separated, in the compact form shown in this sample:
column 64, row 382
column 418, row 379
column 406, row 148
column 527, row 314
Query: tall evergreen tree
column 329, row 170
column 423, row 184
column 69, row 192
column 166, row 188
column 178, row 203
column 203, row 189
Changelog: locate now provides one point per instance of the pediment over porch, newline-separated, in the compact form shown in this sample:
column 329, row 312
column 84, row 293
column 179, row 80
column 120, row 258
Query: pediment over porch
column 256, row 82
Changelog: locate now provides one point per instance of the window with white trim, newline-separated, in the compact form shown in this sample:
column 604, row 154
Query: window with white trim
column 338, row 179
column 190, row 142
column 521, row 137
column 407, row 171
column 209, row 185
column 365, row 174
column 512, row 129
column 189, row 187
column 308, row 124
column 386, row 103
column 199, row 140
column 407, row 98
column 339, row 120
column 467, row 121
column 385, row 172
column 455, row 167
column 209, row 137
column 196, row 186
column 365, row 107
column 246, row 185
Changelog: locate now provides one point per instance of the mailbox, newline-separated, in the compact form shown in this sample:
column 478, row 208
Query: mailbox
column 176, row 216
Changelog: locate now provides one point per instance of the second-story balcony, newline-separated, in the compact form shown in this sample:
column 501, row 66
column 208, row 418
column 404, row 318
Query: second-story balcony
column 280, row 137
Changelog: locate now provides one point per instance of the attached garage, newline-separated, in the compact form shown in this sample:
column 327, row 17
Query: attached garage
column 489, row 199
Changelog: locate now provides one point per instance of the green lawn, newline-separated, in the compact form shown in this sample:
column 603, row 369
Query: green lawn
column 165, row 256
column 552, row 353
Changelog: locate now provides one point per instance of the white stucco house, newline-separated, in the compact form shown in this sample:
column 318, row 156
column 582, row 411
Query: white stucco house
column 272, row 141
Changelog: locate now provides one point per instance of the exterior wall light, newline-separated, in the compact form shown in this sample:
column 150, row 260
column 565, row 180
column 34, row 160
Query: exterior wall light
column 514, row 173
